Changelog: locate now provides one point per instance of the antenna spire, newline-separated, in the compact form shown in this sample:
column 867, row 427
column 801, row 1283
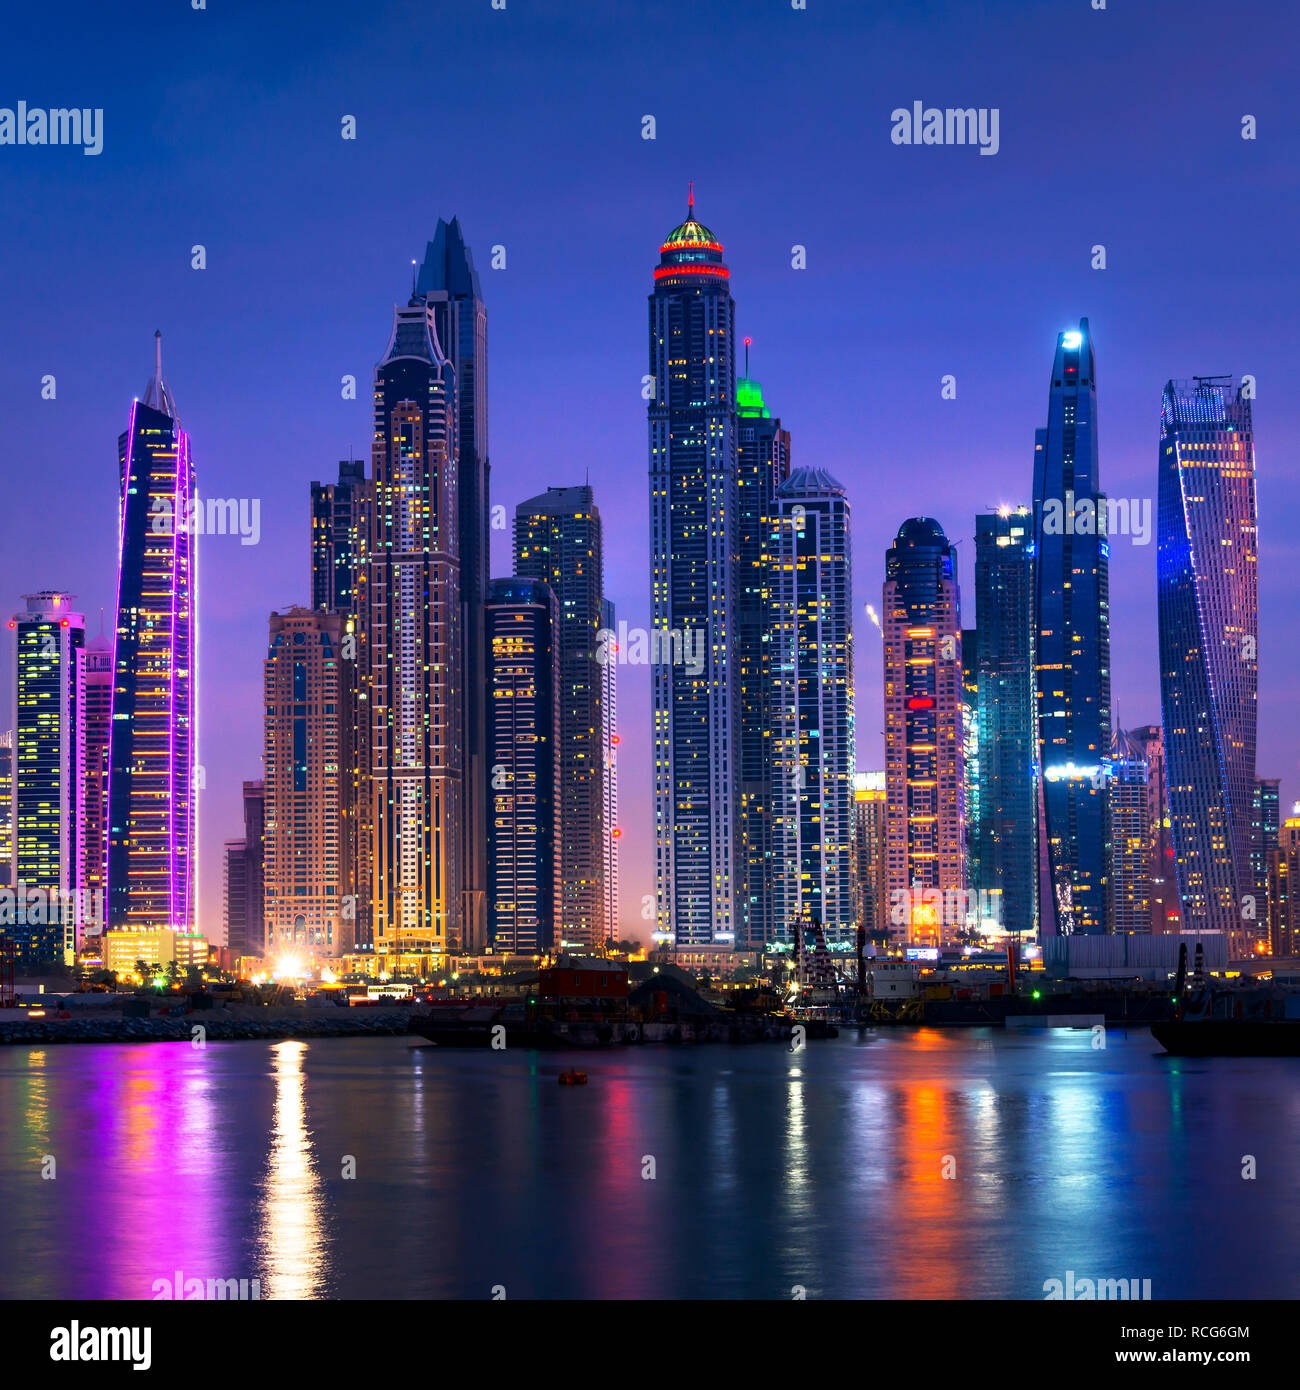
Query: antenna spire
column 690, row 201
column 747, row 343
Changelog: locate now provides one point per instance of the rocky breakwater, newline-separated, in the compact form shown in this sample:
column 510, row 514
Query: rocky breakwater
column 218, row 1025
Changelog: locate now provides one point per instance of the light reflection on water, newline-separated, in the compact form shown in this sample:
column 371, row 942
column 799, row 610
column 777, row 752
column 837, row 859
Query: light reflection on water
column 898, row 1164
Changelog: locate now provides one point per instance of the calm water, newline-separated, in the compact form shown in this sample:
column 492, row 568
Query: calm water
column 821, row 1168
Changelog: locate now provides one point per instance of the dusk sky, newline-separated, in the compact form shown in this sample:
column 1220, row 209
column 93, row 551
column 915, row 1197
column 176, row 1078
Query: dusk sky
column 222, row 129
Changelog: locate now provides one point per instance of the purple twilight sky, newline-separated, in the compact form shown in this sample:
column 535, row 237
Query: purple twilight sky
column 1119, row 127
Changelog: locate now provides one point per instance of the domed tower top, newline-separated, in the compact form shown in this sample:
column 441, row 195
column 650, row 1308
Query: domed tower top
column 690, row 251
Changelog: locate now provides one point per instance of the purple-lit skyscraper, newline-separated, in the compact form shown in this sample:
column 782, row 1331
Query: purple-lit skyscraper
column 150, row 856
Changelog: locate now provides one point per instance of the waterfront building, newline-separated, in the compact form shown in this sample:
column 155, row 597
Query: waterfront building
column 1005, row 809
column 763, row 464
column 340, row 527
column 1207, row 586
column 234, row 896
column 413, row 653
column 151, row 764
column 812, row 728
column 558, row 540
column 1284, row 891
column 47, row 784
column 449, row 285
column 925, row 846
column 304, row 868
column 525, row 731
column 692, row 444
column 253, row 940
column 970, row 749
column 1072, row 646
column 869, row 895
column 1129, row 872
column 1265, row 830
column 92, row 759
column 6, row 807
column 610, row 738
column 157, row 947
column 1146, row 743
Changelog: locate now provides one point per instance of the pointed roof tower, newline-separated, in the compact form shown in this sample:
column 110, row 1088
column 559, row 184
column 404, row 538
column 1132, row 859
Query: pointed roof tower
column 157, row 395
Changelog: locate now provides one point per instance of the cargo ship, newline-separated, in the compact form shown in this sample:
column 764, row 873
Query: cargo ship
column 1194, row 1031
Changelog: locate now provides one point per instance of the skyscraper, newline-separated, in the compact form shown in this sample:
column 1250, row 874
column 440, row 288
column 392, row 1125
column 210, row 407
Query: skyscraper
column 524, row 733
column 413, row 651
column 1209, row 628
column 305, row 698
column 870, row 897
column 340, row 535
column 1265, row 830
column 234, row 894
column 1284, row 891
column 48, row 782
column 6, row 807
column 151, row 844
column 1129, row 873
column 610, row 738
column 763, row 464
column 1072, row 646
column 339, row 524
column 1146, row 742
column 692, row 428
column 812, row 708
column 449, row 285
column 558, row 540
column 253, row 942
column 93, row 761
column 925, row 845
column 970, row 749
column 1006, row 813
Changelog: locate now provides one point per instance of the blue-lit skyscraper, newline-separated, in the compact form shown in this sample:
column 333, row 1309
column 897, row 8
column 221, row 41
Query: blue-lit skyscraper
column 449, row 285
column 763, row 464
column 1072, row 635
column 811, row 709
column 692, row 426
column 1209, row 629
column 1005, row 809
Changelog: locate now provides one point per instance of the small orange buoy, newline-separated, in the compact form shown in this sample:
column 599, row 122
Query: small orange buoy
column 573, row 1078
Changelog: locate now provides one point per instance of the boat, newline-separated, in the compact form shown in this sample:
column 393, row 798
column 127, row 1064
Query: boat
column 1195, row 1032
column 1229, row 1037
column 573, row 1078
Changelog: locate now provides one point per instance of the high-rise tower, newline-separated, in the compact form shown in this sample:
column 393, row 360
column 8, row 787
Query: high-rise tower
column 558, row 539
column 413, row 650
column 610, row 744
column 48, row 784
column 1006, row 812
column 449, row 285
column 524, row 726
column 151, row 844
column 692, row 428
column 925, row 845
column 812, row 708
column 1072, row 646
column 1209, row 630
column 305, row 857
column 762, row 465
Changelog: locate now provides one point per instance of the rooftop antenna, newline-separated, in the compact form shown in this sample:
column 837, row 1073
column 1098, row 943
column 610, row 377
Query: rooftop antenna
column 747, row 343
column 690, row 201
column 413, row 277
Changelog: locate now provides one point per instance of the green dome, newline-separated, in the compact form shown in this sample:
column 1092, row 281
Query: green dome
column 690, row 232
